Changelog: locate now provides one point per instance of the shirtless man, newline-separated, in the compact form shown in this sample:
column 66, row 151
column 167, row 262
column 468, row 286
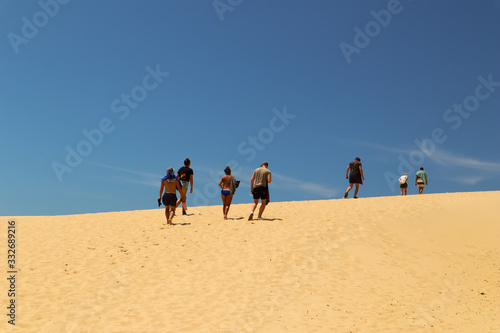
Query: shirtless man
column 170, row 184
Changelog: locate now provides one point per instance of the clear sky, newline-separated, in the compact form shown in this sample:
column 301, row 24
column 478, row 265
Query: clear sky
column 99, row 98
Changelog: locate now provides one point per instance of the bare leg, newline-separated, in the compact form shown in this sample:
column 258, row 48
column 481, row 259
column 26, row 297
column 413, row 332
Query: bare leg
column 184, row 191
column 347, row 190
column 223, row 204
column 255, row 202
column 223, row 197
column 184, row 205
column 402, row 189
column 171, row 214
column 356, row 190
column 229, row 198
column 262, row 207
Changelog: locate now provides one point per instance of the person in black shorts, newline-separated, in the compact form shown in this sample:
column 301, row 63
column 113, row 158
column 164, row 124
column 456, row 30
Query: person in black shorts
column 355, row 176
column 403, row 183
column 169, row 184
column 185, row 175
column 259, row 188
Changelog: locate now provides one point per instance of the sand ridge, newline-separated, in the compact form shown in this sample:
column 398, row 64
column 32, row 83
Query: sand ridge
column 392, row 264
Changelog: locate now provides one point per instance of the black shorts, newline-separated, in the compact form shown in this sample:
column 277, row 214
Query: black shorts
column 354, row 178
column 169, row 199
column 260, row 193
column 405, row 185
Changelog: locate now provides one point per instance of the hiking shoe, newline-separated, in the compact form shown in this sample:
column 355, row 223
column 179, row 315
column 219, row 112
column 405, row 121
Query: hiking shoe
column 250, row 218
column 184, row 212
column 345, row 195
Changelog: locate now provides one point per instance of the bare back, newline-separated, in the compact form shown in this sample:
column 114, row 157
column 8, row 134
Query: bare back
column 169, row 187
column 225, row 182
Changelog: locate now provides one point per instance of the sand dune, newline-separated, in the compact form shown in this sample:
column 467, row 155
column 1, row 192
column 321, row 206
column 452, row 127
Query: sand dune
column 428, row 263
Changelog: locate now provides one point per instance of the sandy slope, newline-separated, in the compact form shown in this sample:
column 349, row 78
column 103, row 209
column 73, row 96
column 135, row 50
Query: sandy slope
column 426, row 263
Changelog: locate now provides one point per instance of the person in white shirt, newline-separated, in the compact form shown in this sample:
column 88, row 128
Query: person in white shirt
column 403, row 183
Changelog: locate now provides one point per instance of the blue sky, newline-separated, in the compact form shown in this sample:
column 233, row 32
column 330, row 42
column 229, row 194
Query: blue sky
column 99, row 98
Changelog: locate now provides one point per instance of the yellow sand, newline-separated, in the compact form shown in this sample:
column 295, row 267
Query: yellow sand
column 427, row 263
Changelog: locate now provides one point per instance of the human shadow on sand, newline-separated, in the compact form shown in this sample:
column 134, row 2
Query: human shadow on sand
column 267, row 219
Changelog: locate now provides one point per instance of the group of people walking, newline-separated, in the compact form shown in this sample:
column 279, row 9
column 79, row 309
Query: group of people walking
column 172, row 183
column 259, row 187
column 354, row 173
column 179, row 182
column 420, row 181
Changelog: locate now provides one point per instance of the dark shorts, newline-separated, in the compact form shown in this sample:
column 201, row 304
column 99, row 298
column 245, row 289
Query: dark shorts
column 260, row 193
column 354, row 178
column 169, row 199
column 405, row 185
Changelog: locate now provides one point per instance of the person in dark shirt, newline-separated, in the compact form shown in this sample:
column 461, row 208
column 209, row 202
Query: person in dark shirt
column 355, row 176
column 185, row 175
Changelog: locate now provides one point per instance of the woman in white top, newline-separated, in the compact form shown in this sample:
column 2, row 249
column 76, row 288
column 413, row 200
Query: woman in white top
column 403, row 183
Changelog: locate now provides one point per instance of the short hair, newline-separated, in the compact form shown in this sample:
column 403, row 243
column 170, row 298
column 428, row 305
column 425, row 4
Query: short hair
column 421, row 168
column 357, row 159
column 187, row 162
column 265, row 163
column 227, row 170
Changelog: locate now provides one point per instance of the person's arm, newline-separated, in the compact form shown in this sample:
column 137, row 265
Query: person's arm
column 220, row 182
column 426, row 184
column 269, row 178
column 162, row 186
column 361, row 172
column 191, row 181
column 347, row 172
column 416, row 177
column 251, row 182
